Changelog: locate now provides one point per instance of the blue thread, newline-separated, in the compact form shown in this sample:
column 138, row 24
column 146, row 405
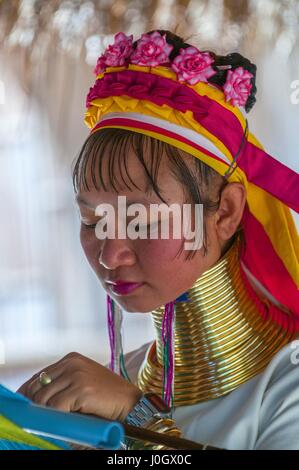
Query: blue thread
column 183, row 298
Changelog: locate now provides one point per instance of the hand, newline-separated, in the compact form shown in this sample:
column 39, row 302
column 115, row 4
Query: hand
column 82, row 385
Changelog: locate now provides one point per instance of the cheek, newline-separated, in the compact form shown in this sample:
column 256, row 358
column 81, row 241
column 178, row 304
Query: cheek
column 165, row 265
column 162, row 258
column 161, row 250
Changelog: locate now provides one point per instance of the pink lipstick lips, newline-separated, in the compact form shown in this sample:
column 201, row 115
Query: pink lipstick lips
column 124, row 288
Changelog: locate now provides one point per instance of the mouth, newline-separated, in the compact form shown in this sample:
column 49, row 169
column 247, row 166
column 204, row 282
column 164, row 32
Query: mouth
column 124, row 288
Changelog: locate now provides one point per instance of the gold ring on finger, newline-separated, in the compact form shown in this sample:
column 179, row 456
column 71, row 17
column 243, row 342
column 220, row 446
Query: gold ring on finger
column 44, row 378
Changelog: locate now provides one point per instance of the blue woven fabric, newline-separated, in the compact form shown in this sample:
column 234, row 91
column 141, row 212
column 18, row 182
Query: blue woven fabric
column 11, row 445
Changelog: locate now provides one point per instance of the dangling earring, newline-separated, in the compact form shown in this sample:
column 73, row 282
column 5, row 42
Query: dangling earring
column 168, row 324
column 117, row 363
column 115, row 320
column 168, row 321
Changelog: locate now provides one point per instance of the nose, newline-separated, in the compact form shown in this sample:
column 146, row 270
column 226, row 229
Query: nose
column 115, row 253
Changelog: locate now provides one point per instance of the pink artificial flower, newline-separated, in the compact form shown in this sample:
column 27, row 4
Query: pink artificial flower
column 193, row 66
column 115, row 54
column 237, row 86
column 152, row 49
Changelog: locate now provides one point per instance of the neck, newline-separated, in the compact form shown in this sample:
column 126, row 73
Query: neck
column 222, row 336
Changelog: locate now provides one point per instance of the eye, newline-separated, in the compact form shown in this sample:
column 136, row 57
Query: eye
column 88, row 226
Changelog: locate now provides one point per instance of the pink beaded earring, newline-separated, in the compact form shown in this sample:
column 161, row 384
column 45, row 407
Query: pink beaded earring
column 117, row 364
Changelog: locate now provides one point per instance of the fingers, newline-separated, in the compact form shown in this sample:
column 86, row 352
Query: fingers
column 24, row 388
column 44, row 395
column 33, row 384
column 60, row 393
column 54, row 372
column 63, row 400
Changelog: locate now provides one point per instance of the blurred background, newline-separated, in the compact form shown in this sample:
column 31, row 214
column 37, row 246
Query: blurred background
column 50, row 301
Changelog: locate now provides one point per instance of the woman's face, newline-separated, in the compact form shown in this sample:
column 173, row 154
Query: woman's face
column 164, row 273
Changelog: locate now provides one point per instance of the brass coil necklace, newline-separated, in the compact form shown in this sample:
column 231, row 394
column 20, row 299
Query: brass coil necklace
column 220, row 340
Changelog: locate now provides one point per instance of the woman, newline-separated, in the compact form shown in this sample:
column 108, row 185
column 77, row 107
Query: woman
column 168, row 125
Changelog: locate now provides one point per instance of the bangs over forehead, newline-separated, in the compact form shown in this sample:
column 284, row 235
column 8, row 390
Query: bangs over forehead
column 108, row 150
column 103, row 161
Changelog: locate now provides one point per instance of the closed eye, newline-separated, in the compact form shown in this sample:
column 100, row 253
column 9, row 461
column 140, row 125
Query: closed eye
column 89, row 226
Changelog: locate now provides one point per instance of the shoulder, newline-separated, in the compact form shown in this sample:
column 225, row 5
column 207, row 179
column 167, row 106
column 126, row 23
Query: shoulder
column 283, row 368
column 279, row 407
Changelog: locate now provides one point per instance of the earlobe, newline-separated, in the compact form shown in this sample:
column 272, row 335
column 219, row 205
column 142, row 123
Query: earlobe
column 230, row 211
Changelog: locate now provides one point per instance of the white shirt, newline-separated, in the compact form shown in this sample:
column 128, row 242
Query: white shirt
column 262, row 413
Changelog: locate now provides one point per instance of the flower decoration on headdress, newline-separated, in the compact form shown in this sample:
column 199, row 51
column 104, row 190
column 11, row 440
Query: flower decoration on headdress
column 190, row 65
column 238, row 86
column 193, row 66
column 115, row 54
column 152, row 50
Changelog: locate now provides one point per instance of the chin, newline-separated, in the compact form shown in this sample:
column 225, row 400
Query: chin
column 133, row 306
column 136, row 305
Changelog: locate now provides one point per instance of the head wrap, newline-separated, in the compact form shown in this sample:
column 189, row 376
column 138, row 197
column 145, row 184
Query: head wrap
column 142, row 87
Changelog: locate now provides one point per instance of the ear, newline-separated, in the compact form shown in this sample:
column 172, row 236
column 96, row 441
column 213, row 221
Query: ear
column 230, row 211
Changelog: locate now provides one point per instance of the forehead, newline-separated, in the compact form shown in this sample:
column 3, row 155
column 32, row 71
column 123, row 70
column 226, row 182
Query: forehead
column 114, row 166
column 117, row 169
